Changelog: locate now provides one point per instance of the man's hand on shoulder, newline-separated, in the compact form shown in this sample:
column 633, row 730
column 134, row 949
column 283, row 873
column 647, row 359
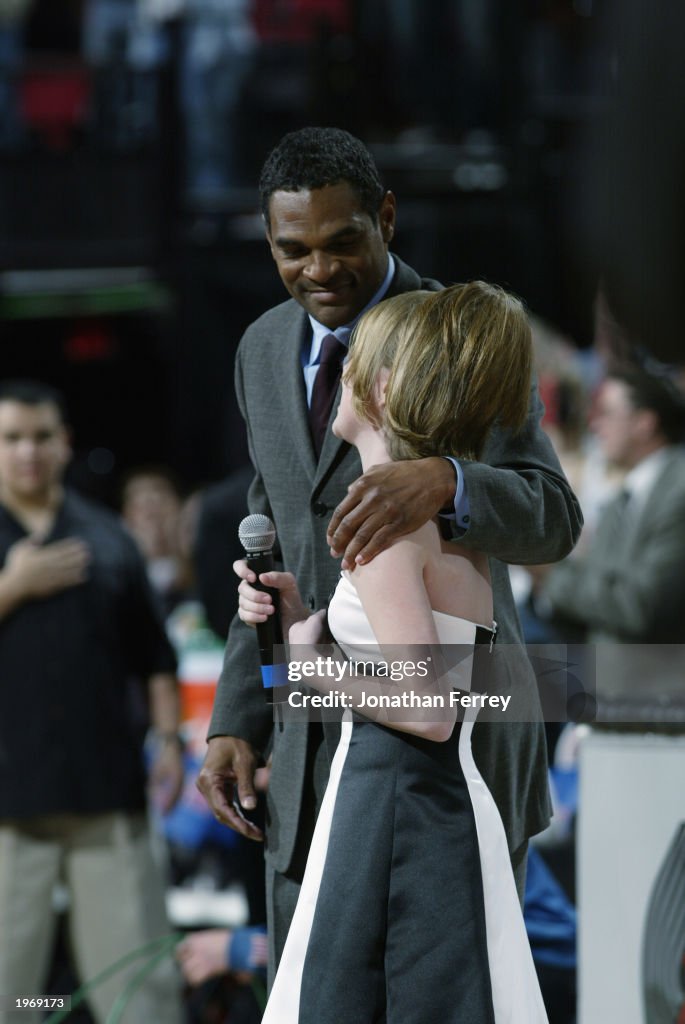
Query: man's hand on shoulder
column 227, row 783
column 387, row 502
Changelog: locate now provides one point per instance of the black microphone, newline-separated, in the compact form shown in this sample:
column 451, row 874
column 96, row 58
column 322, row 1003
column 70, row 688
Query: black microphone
column 257, row 535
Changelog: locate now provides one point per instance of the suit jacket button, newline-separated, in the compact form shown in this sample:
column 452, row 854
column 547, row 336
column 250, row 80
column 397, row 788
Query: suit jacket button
column 320, row 509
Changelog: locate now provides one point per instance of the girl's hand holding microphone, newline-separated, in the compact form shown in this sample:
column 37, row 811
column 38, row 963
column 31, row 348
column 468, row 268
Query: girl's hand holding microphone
column 255, row 606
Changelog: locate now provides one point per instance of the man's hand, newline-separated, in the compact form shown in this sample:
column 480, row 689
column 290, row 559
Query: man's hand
column 388, row 502
column 35, row 572
column 229, row 763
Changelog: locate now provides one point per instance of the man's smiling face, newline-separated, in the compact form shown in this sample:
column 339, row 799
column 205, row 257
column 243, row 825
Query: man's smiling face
column 331, row 254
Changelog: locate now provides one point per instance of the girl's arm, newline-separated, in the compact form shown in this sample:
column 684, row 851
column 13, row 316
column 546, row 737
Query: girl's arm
column 394, row 597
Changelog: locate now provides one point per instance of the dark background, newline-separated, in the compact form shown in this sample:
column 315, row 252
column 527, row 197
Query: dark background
column 474, row 110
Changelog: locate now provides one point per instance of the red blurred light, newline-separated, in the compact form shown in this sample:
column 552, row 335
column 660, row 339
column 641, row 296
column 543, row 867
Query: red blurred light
column 90, row 343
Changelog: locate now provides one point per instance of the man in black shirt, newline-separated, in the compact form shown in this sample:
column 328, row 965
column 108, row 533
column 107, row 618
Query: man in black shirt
column 78, row 632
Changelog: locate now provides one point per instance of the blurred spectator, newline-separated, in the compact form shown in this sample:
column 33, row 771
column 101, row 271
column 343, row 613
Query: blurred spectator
column 125, row 45
column 78, row 625
column 116, row 30
column 151, row 509
column 630, row 587
column 165, row 529
column 566, row 398
column 202, row 853
column 224, row 969
column 208, row 954
column 551, row 926
column 218, row 49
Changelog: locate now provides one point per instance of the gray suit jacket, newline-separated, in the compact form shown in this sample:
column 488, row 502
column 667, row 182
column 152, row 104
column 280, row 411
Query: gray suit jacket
column 629, row 591
column 522, row 511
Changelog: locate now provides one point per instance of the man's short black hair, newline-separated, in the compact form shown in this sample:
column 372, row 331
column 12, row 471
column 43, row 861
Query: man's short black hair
column 658, row 394
column 315, row 157
column 33, row 392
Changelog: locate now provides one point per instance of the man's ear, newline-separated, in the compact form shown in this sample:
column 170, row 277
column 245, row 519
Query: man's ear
column 386, row 217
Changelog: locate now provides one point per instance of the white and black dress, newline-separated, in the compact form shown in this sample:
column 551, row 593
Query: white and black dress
column 408, row 911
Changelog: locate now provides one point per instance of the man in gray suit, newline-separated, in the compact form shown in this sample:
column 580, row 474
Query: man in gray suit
column 630, row 587
column 329, row 223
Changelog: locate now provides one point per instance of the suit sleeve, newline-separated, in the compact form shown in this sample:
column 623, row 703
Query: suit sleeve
column 240, row 708
column 635, row 599
column 522, row 508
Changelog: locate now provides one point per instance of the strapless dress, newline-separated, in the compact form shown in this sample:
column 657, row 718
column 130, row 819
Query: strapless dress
column 408, row 911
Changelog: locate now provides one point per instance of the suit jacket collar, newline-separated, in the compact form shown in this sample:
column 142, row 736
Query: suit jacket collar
column 290, row 361
column 642, row 478
column 669, row 475
column 405, row 279
column 623, row 525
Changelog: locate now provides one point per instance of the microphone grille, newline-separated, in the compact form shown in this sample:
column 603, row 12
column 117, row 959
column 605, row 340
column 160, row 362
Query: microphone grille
column 257, row 533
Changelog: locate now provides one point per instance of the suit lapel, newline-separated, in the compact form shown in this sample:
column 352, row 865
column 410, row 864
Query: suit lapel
column 333, row 448
column 614, row 529
column 405, row 279
column 639, row 523
column 622, row 529
column 292, row 383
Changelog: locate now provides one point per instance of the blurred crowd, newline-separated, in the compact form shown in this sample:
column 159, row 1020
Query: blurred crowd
column 93, row 71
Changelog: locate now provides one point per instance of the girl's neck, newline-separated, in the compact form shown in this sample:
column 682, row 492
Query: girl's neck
column 370, row 443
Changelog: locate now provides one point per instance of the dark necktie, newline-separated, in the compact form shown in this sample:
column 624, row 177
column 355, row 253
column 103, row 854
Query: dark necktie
column 325, row 386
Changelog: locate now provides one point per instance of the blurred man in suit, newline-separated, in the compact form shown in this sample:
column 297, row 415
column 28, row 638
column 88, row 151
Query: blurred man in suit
column 630, row 587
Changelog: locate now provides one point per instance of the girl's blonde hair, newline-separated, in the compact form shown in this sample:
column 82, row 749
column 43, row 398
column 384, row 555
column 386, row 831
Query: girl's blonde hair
column 459, row 359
